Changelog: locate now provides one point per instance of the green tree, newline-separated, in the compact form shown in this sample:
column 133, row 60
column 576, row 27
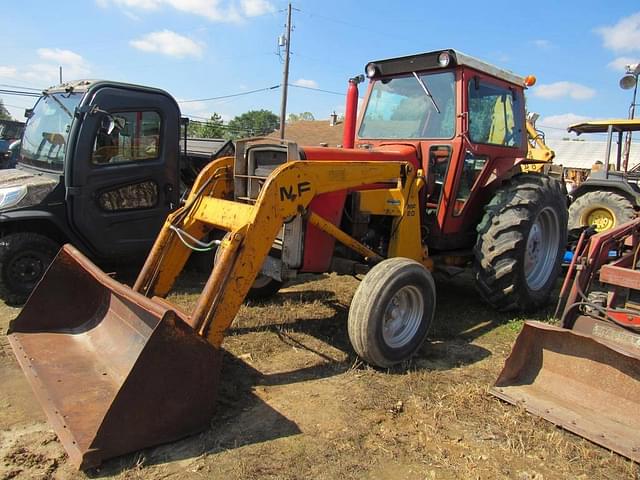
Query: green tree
column 4, row 113
column 296, row 117
column 253, row 123
column 212, row 128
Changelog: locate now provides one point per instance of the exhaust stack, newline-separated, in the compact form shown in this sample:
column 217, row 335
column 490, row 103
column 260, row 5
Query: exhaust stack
column 351, row 112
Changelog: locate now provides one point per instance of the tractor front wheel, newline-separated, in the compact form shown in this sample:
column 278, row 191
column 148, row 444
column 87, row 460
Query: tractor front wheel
column 391, row 311
column 603, row 209
column 521, row 241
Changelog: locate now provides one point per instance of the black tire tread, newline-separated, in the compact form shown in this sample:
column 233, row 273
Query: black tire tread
column 364, row 302
column 501, row 239
column 620, row 205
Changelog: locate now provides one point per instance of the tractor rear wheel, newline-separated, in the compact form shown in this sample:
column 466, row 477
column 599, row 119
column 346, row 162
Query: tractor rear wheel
column 604, row 209
column 391, row 311
column 521, row 241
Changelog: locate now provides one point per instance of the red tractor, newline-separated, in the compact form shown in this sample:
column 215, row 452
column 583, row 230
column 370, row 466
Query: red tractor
column 430, row 179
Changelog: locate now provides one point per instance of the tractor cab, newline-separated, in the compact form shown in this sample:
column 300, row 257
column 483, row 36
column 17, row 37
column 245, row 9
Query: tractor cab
column 466, row 120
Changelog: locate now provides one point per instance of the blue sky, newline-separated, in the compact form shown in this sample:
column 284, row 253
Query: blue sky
column 205, row 48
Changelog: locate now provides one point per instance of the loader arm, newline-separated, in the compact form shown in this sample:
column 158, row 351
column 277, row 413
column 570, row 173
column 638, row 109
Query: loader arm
column 104, row 359
column 538, row 152
column 253, row 228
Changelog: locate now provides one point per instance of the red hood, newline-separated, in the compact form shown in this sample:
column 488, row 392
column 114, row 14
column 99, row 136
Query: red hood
column 385, row 153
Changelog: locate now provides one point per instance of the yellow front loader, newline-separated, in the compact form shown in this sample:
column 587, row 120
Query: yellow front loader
column 118, row 368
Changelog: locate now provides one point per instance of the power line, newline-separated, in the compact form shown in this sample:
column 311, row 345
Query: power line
column 342, row 94
column 22, row 87
column 231, row 95
column 19, row 93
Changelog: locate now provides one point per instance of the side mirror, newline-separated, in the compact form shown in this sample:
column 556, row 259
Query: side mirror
column 28, row 112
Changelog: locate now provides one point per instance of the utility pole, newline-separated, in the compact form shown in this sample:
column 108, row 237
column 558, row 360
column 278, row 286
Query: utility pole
column 61, row 74
column 285, row 74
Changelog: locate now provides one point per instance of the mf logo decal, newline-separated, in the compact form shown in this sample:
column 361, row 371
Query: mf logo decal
column 294, row 191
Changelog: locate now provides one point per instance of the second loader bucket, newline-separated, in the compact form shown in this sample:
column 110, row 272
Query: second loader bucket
column 583, row 383
column 114, row 371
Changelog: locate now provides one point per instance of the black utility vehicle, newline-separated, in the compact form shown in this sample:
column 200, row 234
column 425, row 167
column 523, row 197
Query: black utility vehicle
column 100, row 166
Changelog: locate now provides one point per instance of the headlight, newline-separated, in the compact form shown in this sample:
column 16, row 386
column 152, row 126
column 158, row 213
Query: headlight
column 444, row 59
column 11, row 196
column 371, row 69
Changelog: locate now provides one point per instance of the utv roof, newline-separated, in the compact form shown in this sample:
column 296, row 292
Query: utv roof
column 81, row 86
column 602, row 126
column 429, row 61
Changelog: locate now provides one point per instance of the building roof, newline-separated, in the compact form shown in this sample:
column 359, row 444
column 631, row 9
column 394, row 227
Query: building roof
column 313, row 133
column 583, row 154
column 206, row 147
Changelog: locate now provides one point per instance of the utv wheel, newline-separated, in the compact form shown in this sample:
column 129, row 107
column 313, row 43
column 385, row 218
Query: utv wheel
column 604, row 209
column 391, row 312
column 263, row 286
column 521, row 242
column 24, row 257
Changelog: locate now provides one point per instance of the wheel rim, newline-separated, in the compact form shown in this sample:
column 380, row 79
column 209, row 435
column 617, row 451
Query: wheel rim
column 602, row 218
column 542, row 248
column 402, row 317
column 26, row 269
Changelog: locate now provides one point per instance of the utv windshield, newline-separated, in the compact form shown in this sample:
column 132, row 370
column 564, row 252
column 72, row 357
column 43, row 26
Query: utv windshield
column 45, row 137
column 415, row 106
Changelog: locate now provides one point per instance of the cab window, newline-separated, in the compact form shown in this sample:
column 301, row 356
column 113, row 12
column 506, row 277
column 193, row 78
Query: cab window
column 494, row 114
column 127, row 137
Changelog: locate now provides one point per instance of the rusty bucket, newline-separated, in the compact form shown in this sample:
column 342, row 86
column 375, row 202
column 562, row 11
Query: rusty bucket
column 582, row 382
column 113, row 370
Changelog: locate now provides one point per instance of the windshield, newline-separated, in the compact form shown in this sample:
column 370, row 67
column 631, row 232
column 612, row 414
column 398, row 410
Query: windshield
column 402, row 108
column 47, row 131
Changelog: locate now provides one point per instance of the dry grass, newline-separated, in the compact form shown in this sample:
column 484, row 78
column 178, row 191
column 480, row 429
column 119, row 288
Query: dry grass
column 295, row 402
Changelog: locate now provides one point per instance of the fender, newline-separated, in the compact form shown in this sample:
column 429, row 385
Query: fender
column 608, row 184
column 42, row 221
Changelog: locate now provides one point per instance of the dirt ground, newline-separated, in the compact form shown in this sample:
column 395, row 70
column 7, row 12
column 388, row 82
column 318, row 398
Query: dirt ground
column 296, row 403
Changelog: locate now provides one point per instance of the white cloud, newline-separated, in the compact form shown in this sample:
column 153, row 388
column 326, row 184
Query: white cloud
column 141, row 4
column 556, row 125
column 255, row 8
column 620, row 63
column 624, row 36
column 564, row 89
column 8, row 71
column 303, row 82
column 46, row 71
column 542, row 44
column 214, row 10
column 168, row 43
column 60, row 56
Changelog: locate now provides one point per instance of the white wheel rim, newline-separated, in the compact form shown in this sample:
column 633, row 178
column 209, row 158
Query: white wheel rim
column 402, row 317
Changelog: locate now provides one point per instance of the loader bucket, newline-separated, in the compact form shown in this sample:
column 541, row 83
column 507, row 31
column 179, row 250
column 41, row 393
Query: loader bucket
column 113, row 370
column 585, row 384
